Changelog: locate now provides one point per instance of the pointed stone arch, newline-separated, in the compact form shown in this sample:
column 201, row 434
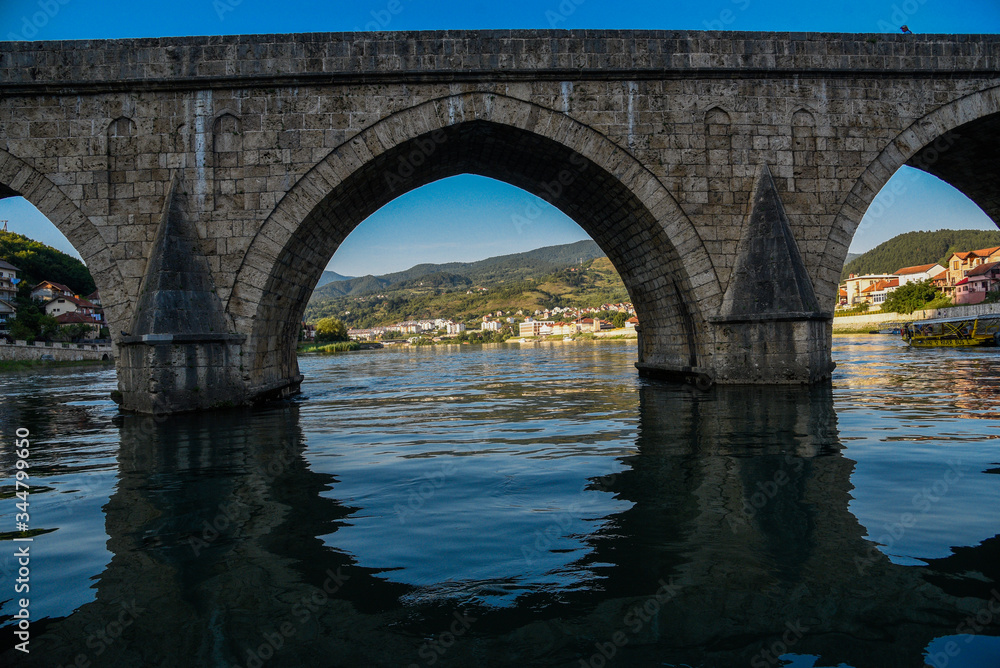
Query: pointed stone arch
column 921, row 145
column 622, row 205
column 18, row 178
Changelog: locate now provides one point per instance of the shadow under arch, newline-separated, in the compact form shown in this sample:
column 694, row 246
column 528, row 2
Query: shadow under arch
column 19, row 179
column 619, row 203
column 957, row 142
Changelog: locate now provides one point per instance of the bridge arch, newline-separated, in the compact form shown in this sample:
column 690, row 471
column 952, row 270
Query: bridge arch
column 598, row 184
column 19, row 179
column 957, row 142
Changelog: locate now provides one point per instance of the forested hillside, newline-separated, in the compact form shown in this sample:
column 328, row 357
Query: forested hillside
column 915, row 248
column 501, row 269
column 448, row 295
column 39, row 262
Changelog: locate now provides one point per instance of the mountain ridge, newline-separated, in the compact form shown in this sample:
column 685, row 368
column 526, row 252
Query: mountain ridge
column 500, row 268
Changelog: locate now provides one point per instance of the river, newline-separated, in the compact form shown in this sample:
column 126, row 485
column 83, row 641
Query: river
column 516, row 505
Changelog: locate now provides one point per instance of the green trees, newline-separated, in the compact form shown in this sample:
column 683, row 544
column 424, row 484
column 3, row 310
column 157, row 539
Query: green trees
column 330, row 329
column 618, row 319
column 910, row 297
column 39, row 262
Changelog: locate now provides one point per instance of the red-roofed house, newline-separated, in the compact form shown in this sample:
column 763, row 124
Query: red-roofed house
column 973, row 288
column 631, row 322
column 877, row 292
column 919, row 273
column 70, row 304
column 48, row 289
column 856, row 287
column 960, row 264
column 76, row 318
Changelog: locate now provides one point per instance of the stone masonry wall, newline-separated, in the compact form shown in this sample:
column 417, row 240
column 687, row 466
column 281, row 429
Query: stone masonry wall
column 264, row 127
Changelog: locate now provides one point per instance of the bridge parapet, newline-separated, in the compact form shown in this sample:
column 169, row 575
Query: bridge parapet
column 266, row 60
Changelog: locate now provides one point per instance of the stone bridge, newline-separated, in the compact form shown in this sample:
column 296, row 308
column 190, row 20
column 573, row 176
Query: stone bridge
column 207, row 181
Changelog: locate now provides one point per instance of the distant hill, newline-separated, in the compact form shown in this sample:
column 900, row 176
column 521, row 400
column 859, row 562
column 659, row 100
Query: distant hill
column 915, row 248
column 851, row 257
column 39, row 262
column 516, row 267
column 331, row 277
column 572, row 275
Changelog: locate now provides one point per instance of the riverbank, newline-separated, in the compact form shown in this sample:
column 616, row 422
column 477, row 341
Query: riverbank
column 862, row 324
column 28, row 365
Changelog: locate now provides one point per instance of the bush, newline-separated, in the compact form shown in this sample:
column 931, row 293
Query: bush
column 330, row 329
column 911, row 297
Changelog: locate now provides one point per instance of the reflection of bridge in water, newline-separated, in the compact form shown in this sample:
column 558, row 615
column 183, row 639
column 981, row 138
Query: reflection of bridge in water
column 219, row 531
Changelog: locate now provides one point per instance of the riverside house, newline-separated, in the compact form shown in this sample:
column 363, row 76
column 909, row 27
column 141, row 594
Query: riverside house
column 977, row 282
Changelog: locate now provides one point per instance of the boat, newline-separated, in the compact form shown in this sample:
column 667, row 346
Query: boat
column 953, row 332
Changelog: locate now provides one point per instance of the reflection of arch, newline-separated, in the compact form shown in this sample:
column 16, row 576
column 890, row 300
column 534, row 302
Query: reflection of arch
column 17, row 178
column 946, row 131
column 604, row 189
column 227, row 163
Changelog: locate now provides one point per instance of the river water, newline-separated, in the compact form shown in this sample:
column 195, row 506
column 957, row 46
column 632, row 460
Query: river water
column 517, row 506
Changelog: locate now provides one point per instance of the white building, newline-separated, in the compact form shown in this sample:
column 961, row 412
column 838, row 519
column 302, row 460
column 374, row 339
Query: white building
column 919, row 273
column 456, row 327
column 857, row 285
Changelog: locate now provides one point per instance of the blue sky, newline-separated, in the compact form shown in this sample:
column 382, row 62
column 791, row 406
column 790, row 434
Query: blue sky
column 467, row 217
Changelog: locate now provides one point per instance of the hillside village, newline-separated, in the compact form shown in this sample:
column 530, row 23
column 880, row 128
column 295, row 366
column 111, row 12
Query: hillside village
column 967, row 279
column 76, row 318
column 557, row 321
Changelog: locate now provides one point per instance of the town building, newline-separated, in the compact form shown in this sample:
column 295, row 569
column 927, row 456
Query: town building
column 8, row 281
column 960, row 264
column 631, row 323
column 491, row 326
column 73, row 318
column 70, row 304
column 919, row 273
column 877, row 292
column 535, row 327
column 455, row 327
column 8, row 294
column 46, row 290
column 977, row 283
column 856, row 285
